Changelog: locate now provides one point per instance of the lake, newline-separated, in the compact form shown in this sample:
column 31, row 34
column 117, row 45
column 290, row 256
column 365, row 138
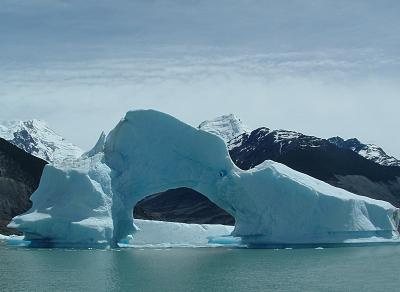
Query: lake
column 373, row 268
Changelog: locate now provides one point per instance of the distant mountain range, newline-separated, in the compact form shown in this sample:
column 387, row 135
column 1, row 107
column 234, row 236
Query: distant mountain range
column 364, row 169
column 233, row 132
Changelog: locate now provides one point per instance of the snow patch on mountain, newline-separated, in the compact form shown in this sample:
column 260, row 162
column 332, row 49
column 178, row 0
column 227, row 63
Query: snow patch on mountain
column 227, row 127
column 36, row 138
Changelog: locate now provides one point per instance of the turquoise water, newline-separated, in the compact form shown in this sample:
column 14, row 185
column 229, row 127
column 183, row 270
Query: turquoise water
column 200, row 269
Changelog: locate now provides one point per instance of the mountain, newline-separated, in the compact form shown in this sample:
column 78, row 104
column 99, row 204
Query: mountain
column 227, row 127
column 20, row 174
column 36, row 138
column 369, row 151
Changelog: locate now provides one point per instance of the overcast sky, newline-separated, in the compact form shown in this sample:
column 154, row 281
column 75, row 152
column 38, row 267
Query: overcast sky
column 324, row 68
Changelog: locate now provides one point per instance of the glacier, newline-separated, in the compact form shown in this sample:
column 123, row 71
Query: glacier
column 89, row 202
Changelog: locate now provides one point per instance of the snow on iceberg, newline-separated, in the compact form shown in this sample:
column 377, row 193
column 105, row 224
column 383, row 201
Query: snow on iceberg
column 90, row 202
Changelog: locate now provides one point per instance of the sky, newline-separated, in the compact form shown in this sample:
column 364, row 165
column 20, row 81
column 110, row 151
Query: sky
column 323, row 68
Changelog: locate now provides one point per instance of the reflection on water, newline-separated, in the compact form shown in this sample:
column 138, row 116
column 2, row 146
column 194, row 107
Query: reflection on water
column 201, row 269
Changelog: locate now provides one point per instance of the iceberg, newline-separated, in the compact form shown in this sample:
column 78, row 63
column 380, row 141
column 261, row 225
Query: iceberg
column 89, row 202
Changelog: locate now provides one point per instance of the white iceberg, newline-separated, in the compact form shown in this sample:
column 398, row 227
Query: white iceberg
column 90, row 202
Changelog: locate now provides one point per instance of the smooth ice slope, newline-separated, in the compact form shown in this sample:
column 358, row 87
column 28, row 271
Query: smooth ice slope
column 91, row 201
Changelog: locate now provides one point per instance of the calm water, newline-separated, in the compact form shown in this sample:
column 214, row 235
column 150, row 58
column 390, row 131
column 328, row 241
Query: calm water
column 206, row 269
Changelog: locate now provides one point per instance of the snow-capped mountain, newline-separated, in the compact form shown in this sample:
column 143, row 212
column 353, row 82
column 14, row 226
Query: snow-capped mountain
column 234, row 132
column 283, row 138
column 369, row 151
column 271, row 144
column 36, row 138
column 227, row 127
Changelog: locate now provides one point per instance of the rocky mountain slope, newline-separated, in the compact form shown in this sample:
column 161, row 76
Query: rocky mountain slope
column 20, row 174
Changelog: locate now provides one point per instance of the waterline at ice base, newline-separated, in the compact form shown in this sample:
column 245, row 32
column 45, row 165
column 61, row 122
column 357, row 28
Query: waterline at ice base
column 89, row 202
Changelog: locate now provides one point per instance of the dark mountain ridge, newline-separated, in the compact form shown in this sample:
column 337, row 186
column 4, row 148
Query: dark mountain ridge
column 20, row 175
column 311, row 155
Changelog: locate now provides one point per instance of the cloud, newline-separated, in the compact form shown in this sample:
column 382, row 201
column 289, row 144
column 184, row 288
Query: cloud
column 321, row 67
column 319, row 95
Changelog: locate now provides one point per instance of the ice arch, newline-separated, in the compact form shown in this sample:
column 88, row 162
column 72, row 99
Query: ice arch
column 91, row 201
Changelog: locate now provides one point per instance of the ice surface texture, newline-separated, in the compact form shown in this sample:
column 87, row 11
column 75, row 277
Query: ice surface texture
column 90, row 202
